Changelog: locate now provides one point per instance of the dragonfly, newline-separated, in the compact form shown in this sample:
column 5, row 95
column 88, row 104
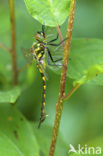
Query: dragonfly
column 40, row 50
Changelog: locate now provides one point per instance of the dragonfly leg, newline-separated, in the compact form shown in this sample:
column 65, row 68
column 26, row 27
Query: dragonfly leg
column 49, row 55
column 53, row 39
column 43, row 30
column 56, row 44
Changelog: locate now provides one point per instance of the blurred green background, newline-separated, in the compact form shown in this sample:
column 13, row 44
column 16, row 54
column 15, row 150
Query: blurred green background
column 82, row 115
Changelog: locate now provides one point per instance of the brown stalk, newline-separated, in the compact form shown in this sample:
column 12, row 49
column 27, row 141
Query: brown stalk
column 13, row 42
column 59, row 105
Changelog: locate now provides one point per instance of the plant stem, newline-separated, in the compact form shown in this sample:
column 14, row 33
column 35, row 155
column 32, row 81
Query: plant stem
column 59, row 105
column 4, row 48
column 13, row 42
column 60, row 35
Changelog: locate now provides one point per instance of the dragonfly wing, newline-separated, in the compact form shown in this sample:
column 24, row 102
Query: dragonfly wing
column 55, row 51
column 57, row 55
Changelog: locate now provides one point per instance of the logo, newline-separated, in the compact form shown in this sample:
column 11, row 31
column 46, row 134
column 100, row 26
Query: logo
column 84, row 149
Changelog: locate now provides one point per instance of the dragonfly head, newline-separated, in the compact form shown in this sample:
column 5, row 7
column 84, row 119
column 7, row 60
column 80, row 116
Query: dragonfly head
column 40, row 36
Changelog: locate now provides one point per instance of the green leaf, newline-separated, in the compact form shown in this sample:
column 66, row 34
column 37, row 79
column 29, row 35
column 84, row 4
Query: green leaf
column 16, row 134
column 90, row 73
column 51, row 13
column 86, row 61
column 86, row 54
column 10, row 96
column 44, row 135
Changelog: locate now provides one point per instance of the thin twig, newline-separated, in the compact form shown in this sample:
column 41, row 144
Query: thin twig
column 59, row 105
column 13, row 42
column 60, row 35
column 71, row 92
column 4, row 48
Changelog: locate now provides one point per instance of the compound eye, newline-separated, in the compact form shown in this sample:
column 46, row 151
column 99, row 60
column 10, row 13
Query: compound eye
column 39, row 32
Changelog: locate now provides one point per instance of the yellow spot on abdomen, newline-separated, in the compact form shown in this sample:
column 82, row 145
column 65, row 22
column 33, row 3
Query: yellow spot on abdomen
column 43, row 78
column 44, row 95
column 43, row 103
column 44, row 86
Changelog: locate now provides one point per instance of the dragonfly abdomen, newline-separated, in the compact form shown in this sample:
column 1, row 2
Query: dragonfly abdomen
column 43, row 115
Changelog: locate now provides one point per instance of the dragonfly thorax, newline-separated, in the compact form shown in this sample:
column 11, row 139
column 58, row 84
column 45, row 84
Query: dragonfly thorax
column 39, row 52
